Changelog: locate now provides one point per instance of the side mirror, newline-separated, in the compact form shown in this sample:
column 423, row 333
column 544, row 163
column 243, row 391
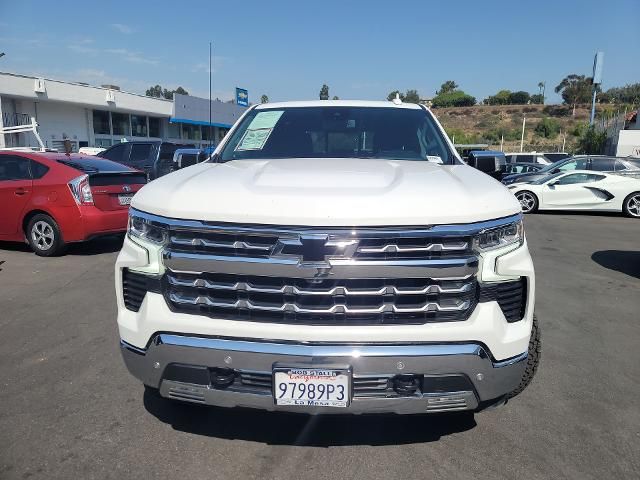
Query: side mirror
column 555, row 170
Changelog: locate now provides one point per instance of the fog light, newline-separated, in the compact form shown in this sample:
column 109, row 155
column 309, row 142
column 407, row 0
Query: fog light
column 406, row 384
column 222, row 377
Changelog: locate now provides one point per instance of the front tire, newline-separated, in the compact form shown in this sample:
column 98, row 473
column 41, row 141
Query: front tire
column 528, row 201
column 44, row 236
column 533, row 359
column 631, row 205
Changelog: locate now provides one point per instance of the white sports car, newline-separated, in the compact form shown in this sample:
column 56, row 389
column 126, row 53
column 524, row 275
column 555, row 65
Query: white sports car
column 581, row 190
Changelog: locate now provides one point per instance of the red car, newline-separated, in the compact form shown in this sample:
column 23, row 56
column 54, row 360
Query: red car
column 51, row 199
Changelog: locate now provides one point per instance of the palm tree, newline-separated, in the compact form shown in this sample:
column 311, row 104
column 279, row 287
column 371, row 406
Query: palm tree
column 541, row 86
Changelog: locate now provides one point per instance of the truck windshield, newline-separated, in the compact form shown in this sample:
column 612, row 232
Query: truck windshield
column 338, row 132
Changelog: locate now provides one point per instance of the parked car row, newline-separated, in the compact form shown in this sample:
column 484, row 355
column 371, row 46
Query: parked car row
column 582, row 182
column 155, row 158
column 580, row 162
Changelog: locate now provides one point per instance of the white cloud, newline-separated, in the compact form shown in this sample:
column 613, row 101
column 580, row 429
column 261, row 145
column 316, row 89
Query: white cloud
column 122, row 28
column 91, row 73
column 132, row 57
column 80, row 48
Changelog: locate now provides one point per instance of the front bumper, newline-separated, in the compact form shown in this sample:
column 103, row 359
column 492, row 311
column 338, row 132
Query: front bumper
column 456, row 376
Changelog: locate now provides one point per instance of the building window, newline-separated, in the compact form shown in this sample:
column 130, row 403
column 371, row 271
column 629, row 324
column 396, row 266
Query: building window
column 221, row 133
column 120, row 123
column 138, row 126
column 101, row 123
column 174, row 130
column 205, row 132
column 103, row 142
column 154, row 127
column 191, row 132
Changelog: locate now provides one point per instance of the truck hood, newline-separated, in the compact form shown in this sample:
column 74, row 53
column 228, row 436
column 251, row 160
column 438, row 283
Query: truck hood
column 328, row 192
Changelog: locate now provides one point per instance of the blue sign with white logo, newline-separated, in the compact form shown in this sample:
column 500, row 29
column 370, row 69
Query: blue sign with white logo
column 242, row 97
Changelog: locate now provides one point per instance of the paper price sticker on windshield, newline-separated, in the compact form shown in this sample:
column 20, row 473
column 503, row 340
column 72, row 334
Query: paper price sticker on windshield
column 254, row 139
column 265, row 119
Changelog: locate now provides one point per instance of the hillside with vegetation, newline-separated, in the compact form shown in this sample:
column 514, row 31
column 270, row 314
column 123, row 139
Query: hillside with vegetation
column 497, row 120
column 547, row 127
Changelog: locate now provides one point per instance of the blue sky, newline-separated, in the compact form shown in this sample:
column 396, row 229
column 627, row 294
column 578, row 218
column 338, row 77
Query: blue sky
column 287, row 49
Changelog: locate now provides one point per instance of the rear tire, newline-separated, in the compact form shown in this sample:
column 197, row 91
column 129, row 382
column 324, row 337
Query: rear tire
column 528, row 201
column 44, row 236
column 631, row 205
column 533, row 359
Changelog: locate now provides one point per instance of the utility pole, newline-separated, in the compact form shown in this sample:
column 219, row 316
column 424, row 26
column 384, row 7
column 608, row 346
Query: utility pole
column 502, row 143
column 210, row 76
column 524, row 121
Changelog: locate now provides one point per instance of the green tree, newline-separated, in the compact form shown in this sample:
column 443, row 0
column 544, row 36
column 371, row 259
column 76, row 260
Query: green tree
column 547, row 128
column 580, row 129
column 503, row 97
column 456, row 98
column 519, row 98
column 592, row 142
column 447, row 87
column 627, row 94
column 335, row 97
column 264, row 99
column 395, row 93
column 324, row 92
column 155, row 91
column 411, row 96
column 537, row 99
column 575, row 89
column 159, row 92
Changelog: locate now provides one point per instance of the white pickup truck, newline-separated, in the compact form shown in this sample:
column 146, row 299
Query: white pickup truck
column 330, row 257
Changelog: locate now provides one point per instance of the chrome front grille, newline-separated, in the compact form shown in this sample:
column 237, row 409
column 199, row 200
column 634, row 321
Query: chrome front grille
column 328, row 301
column 322, row 276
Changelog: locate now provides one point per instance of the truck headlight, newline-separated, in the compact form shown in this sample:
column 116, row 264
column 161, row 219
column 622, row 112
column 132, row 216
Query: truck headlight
column 510, row 234
column 141, row 227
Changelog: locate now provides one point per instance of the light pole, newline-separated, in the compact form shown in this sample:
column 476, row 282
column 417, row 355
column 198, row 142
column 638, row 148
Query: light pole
column 597, row 80
column 524, row 121
column 210, row 61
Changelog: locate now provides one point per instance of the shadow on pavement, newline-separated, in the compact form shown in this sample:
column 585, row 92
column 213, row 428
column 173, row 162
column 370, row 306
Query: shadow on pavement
column 277, row 428
column 97, row 246
column 627, row 262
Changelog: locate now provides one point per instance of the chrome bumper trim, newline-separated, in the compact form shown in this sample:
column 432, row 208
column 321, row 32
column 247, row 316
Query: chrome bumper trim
column 491, row 380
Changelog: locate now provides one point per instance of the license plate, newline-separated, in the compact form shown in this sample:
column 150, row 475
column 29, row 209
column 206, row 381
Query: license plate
column 124, row 199
column 312, row 387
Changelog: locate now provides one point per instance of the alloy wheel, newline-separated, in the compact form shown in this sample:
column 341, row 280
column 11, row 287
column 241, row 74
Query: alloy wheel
column 527, row 201
column 43, row 235
column 633, row 205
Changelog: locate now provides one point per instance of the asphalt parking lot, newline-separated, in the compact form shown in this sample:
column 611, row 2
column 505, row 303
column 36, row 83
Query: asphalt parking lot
column 69, row 408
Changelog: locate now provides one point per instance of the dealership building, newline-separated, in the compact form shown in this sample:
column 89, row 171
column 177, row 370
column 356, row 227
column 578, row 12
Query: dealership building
column 99, row 116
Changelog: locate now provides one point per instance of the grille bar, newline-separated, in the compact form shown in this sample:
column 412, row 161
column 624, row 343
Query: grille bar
column 295, row 290
column 432, row 247
column 178, row 298
column 203, row 242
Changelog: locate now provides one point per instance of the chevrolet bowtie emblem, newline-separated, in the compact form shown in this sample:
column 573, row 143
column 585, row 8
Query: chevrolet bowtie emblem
column 315, row 250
